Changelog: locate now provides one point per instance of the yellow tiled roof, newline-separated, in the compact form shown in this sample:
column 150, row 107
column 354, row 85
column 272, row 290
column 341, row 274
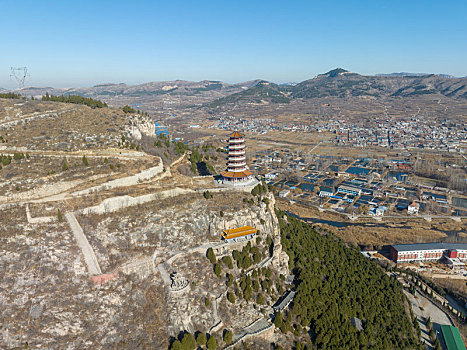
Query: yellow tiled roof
column 236, row 134
column 238, row 232
column 236, row 174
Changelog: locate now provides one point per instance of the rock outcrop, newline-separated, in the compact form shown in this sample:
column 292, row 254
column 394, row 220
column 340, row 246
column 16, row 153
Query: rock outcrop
column 140, row 125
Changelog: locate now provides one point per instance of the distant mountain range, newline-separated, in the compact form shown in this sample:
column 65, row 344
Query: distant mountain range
column 143, row 90
column 342, row 83
column 405, row 74
column 335, row 83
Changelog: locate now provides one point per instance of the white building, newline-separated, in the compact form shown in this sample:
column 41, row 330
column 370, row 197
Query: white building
column 271, row 176
column 413, row 208
column 428, row 251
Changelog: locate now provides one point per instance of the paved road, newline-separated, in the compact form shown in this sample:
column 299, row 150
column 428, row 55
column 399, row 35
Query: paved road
column 83, row 243
column 424, row 308
column 448, row 300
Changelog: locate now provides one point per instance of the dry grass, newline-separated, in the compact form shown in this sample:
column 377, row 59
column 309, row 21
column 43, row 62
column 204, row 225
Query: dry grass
column 456, row 286
column 31, row 173
column 79, row 128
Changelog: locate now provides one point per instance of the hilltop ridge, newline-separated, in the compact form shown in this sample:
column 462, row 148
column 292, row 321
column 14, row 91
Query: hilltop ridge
column 337, row 82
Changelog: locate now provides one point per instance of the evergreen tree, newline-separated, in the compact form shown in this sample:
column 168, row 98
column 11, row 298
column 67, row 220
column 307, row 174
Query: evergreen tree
column 231, row 297
column 201, row 339
column 230, row 279
column 211, row 256
column 188, row 341
column 176, row 345
column 228, row 336
column 211, row 343
column 278, row 322
column 217, row 270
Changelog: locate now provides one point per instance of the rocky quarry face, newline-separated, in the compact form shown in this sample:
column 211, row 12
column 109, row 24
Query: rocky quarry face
column 49, row 301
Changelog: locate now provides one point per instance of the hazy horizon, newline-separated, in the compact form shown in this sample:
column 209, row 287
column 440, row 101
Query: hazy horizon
column 14, row 87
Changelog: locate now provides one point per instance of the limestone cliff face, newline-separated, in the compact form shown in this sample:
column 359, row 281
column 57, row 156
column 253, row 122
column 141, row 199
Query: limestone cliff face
column 261, row 217
column 140, row 125
column 175, row 220
column 280, row 259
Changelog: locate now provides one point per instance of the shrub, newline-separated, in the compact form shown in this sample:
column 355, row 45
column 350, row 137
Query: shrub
column 278, row 322
column 128, row 109
column 217, row 270
column 176, row 345
column 201, row 339
column 211, row 256
column 228, row 336
column 231, row 297
column 230, row 279
column 211, row 343
column 189, row 342
column 227, row 260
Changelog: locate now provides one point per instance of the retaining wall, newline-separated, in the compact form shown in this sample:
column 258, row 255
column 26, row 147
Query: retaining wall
column 114, row 204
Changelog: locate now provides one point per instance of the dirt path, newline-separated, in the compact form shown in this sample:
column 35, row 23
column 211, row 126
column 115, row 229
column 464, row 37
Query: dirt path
column 83, row 244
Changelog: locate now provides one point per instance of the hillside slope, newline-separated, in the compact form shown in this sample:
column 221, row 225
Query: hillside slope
column 262, row 92
column 341, row 83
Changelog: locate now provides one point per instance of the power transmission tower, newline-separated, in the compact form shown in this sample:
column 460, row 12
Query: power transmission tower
column 20, row 74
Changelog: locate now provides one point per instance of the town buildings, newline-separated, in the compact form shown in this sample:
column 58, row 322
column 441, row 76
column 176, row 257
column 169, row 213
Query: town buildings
column 413, row 208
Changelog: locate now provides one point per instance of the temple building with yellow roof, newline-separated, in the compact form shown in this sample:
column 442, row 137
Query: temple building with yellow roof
column 239, row 234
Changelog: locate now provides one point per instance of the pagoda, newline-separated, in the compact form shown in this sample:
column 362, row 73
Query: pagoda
column 237, row 171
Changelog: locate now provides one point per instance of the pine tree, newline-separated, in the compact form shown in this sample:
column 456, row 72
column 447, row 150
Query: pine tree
column 228, row 336
column 260, row 299
column 211, row 343
column 189, row 342
column 217, row 270
column 278, row 322
column 201, row 339
column 211, row 256
column 176, row 345
column 231, row 297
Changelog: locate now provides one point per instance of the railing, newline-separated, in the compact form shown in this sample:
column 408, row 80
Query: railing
column 236, row 164
column 239, row 146
column 240, row 152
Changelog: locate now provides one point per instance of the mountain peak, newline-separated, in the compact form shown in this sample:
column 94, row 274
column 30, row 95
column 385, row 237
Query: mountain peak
column 335, row 72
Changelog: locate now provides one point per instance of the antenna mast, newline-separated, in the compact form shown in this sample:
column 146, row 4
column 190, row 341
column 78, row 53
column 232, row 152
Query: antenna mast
column 20, row 74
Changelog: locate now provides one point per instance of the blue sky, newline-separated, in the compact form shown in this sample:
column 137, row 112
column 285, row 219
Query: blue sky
column 83, row 43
